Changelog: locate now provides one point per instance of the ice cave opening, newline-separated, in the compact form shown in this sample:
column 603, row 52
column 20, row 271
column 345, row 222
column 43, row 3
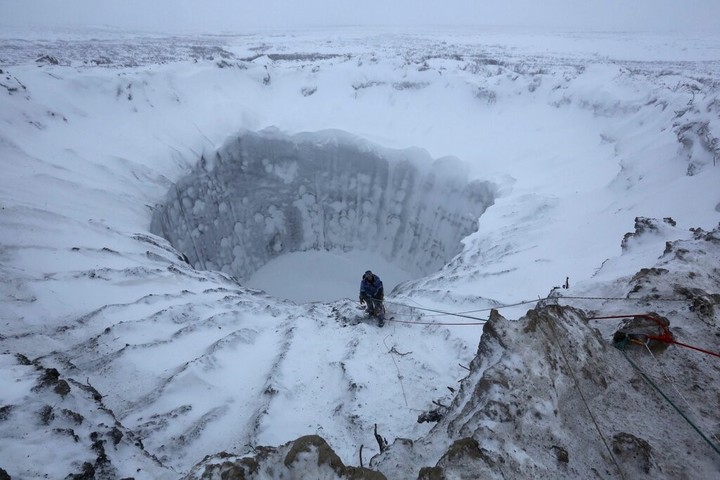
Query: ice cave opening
column 303, row 216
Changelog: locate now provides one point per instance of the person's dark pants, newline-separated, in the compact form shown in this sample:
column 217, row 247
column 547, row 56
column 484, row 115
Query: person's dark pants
column 374, row 306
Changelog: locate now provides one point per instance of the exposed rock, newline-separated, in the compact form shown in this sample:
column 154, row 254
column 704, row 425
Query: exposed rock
column 5, row 412
column 49, row 378
column 645, row 273
column 74, row 416
column 22, row 359
column 47, row 60
column 702, row 303
column 46, row 415
column 465, row 459
column 433, row 415
column 62, row 388
column 310, row 443
column 431, row 473
column 561, row 454
column 116, row 435
column 642, row 330
column 711, row 236
column 87, row 473
column 633, row 451
column 644, row 226
column 69, row 432
column 306, row 457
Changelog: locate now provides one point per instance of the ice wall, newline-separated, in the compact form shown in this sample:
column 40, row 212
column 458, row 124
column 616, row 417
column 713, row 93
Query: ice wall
column 265, row 194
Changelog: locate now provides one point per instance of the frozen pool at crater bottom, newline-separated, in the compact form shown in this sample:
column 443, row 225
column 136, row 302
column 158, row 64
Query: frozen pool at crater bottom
column 322, row 276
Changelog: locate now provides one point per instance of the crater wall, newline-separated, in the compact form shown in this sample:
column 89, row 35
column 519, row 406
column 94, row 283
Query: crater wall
column 265, row 194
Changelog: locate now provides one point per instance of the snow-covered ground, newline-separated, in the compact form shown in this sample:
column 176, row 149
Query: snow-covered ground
column 577, row 133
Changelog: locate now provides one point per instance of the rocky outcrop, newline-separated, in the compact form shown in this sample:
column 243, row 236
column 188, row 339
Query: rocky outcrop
column 645, row 226
column 551, row 395
column 551, row 385
column 306, row 457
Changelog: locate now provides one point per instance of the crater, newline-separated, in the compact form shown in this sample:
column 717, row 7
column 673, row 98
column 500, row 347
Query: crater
column 265, row 195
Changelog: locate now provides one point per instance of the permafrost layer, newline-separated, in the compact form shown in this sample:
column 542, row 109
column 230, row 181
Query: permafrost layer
column 263, row 195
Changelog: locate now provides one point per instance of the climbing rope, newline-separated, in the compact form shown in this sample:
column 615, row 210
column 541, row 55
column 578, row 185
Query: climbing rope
column 675, row 342
column 667, row 379
column 437, row 311
column 464, row 314
column 623, row 299
column 621, row 346
column 402, row 387
column 481, row 322
column 526, row 302
column 582, row 396
column 498, row 307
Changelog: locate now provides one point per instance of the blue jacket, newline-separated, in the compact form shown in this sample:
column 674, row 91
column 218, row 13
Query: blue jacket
column 373, row 290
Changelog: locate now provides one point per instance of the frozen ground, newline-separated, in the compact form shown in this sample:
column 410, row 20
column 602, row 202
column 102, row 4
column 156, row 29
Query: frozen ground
column 322, row 276
column 578, row 134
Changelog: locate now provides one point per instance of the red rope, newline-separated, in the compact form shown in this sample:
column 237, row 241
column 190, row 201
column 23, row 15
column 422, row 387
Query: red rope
column 684, row 345
column 666, row 336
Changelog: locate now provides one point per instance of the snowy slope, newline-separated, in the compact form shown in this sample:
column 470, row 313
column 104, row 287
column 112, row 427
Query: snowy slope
column 577, row 134
column 548, row 396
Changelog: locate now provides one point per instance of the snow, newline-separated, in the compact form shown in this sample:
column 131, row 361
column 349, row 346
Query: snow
column 315, row 276
column 577, row 133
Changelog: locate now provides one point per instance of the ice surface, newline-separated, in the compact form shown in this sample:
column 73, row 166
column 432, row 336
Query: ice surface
column 319, row 276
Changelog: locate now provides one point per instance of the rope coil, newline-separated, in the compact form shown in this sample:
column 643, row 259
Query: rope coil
column 666, row 336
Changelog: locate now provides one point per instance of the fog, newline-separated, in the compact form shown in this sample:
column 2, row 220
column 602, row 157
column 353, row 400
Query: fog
column 239, row 16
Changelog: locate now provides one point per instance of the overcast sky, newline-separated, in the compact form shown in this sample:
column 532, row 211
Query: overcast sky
column 246, row 15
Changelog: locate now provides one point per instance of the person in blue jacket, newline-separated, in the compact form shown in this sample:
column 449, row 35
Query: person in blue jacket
column 372, row 295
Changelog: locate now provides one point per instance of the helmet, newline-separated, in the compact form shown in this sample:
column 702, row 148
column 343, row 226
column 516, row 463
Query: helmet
column 368, row 275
